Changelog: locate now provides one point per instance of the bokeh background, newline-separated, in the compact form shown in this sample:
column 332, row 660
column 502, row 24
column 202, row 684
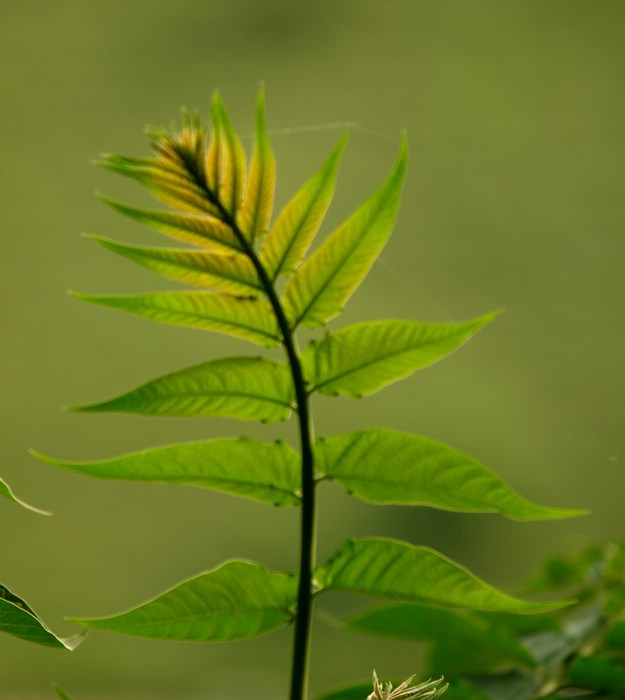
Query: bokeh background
column 514, row 198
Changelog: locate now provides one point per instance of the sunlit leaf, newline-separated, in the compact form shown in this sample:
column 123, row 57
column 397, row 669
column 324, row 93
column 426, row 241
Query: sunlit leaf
column 255, row 214
column 299, row 221
column 401, row 571
column 229, row 273
column 5, row 491
column 225, row 160
column 248, row 388
column 249, row 319
column 388, row 467
column 237, row 600
column 363, row 358
column 321, row 286
column 20, row 620
column 198, row 229
column 61, row 694
column 243, row 467
column 461, row 641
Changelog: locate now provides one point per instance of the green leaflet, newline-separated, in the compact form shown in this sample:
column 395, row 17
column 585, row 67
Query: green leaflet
column 249, row 319
column 5, row 491
column 237, row 600
column 225, row 272
column 240, row 466
column 321, row 286
column 461, row 641
column 20, row 620
column 61, row 694
column 401, row 571
column 299, row 221
column 363, row 358
column 201, row 230
column 247, row 388
column 225, row 160
column 255, row 213
column 388, row 467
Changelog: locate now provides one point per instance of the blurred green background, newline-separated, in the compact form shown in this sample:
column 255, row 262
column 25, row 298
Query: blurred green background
column 514, row 198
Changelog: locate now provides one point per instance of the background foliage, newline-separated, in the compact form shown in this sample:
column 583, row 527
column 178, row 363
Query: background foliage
column 513, row 199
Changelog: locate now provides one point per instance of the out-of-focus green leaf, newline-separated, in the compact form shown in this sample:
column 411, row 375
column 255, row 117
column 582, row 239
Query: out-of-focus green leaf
column 5, row 491
column 249, row 319
column 363, row 358
column 299, row 221
column 462, row 642
column 229, row 273
column 615, row 636
column 319, row 289
column 225, row 160
column 240, row 466
column 255, row 213
column 388, row 467
column 20, row 620
column 60, row 692
column 460, row 689
column 237, row 600
column 401, row 571
column 358, row 691
column 600, row 672
column 509, row 686
column 248, row 388
column 203, row 230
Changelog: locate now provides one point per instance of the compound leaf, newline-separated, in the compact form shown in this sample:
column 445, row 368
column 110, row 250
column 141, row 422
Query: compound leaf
column 243, row 467
column 225, row 272
column 321, row 286
column 388, row 467
column 5, row 491
column 19, row 619
column 363, row 358
column 401, row 571
column 248, row 388
column 249, row 319
column 299, row 221
column 255, row 213
column 237, row 600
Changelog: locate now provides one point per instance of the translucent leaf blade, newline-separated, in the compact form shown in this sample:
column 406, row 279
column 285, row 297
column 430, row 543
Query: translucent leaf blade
column 247, row 388
column 361, row 359
column 255, row 213
column 225, row 160
column 388, row 467
column 237, row 600
column 230, row 273
column 202, row 230
column 241, row 467
column 400, row 571
column 319, row 289
column 19, row 619
column 249, row 319
column 299, row 221
column 6, row 491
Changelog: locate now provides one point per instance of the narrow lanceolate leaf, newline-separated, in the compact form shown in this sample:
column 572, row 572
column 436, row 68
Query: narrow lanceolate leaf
column 225, row 160
column 299, row 221
column 61, row 694
column 255, row 214
column 231, row 273
column 5, row 491
column 198, row 229
column 388, row 467
column 237, row 600
column 363, row 358
column 248, row 388
column 326, row 280
column 250, row 319
column 401, row 571
column 242, row 467
column 20, row 620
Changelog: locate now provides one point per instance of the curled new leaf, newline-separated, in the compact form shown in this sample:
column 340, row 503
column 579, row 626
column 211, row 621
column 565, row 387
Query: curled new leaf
column 242, row 467
column 401, row 571
column 248, row 388
column 388, row 467
column 237, row 600
column 363, row 358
